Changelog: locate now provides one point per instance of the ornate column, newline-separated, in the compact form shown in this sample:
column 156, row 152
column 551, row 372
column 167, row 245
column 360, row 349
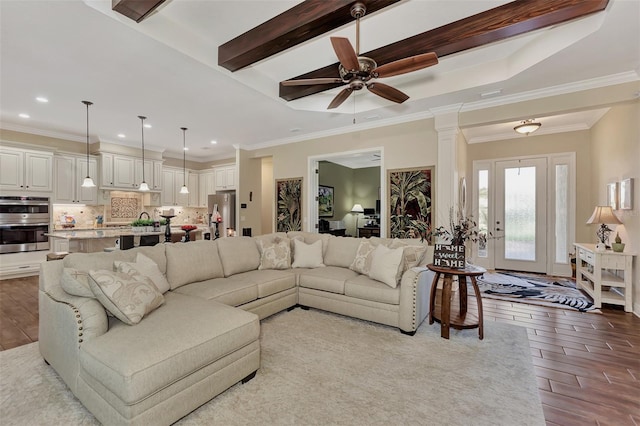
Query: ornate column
column 447, row 174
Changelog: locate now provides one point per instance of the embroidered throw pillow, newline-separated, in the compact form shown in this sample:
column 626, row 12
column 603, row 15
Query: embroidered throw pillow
column 385, row 263
column 128, row 298
column 362, row 261
column 76, row 282
column 145, row 267
column 307, row 255
column 411, row 256
column 275, row 254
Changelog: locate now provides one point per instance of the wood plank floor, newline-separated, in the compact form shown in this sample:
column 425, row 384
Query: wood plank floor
column 587, row 365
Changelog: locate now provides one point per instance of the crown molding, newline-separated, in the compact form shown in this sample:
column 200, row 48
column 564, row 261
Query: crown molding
column 42, row 132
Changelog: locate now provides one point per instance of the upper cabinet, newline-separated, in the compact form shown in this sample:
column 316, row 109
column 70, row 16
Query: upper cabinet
column 26, row 170
column 206, row 187
column 69, row 173
column 172, row 181
column 225, row 178
column 124, row 172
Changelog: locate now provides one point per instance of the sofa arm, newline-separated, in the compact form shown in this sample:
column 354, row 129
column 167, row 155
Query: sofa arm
column 65, row 322
column 415, row 290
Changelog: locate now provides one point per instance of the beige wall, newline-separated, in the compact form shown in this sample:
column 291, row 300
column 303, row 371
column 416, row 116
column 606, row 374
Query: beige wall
column 578, row 142
column 412, row 144
column 268, row 196
column 615, row 155
column 341, row 179
column 249, row 192
column 366, row 182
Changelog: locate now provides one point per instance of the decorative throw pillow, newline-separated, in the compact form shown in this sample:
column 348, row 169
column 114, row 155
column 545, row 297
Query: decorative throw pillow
column 76, row 282
column 145, row 267
column 362, row 261
column 385, row 263
column 275, row 254
column 307, row 255
column 128, row 298
column 411, row 256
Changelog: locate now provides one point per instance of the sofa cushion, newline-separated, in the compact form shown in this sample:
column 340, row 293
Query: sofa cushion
column 385, row 264
column 274, row 254
column 184, row 336
column 147, row 267
column 127, row 297
column 76, row 282
column 341, row 251
column 192, row 262
column 412, row 254
column 223, row 290
column 363, row 287
column 268, row 281
column 309, row 238
column 307, row 255
column 101, row 260
column 329, row 279
column 362, row 260
column 238, row 254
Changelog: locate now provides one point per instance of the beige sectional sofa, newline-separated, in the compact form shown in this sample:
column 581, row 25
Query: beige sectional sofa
column 198, row 331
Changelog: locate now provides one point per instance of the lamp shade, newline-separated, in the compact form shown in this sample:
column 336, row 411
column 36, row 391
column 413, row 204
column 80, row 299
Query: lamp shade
column 357, row 208
column 88, row 182
column 603, row 214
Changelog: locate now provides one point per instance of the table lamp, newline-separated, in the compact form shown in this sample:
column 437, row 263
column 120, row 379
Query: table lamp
column 603, row 215
column 357, row 209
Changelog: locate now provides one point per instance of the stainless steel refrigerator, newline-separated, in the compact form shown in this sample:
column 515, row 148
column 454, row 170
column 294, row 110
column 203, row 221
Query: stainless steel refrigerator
column 223, row 202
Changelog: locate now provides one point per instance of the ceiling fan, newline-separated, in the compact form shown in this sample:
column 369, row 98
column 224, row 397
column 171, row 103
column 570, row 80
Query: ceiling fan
column 360, row 71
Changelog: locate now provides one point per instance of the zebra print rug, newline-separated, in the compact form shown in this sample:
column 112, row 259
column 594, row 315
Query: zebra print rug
column 535, row 289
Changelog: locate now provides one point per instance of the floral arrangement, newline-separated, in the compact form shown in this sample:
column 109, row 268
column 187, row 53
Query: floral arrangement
column 461, row 229
column 188, row 227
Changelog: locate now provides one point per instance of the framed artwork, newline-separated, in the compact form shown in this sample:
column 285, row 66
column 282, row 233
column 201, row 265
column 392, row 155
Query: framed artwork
column 289, row 204
column 410, row 202
column 612, row 195
column 626, row 194
column 325, row 201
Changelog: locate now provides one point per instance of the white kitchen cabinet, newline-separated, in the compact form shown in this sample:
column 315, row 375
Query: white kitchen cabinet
column 119, row 172
column 26, row 170
column 157, row 175
column 194, row 193
column 225, row 178
column 69, row 173
column 206, row 187
column 148, row 172
column 172, row 181
column 106, row 170
column 605, row 276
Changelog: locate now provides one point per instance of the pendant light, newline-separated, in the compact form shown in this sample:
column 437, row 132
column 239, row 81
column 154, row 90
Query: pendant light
column 143, row 185
column 88, row 182
column 184, row 189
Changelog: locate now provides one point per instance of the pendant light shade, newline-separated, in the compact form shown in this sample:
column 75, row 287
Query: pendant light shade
column 184, row 189
column 88, row 182
column 527, row 126
column 143, row 185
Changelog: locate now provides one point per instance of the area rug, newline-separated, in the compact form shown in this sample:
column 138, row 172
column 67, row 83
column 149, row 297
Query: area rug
column 535, row 289
column 318, row 368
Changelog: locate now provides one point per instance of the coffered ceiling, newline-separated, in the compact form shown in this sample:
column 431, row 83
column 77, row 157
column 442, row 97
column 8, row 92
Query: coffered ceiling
column 166, row 68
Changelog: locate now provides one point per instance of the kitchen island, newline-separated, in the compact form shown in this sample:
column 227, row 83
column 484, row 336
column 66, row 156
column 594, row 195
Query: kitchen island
column 94, row 240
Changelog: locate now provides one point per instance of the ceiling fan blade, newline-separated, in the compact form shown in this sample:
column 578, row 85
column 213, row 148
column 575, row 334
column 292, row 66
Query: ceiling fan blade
column 340, row 98
column 403, row 66
column 345, row 53
column 387, row 92
column 311, row 81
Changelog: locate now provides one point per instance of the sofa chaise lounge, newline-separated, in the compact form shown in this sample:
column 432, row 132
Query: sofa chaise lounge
column 202, row 301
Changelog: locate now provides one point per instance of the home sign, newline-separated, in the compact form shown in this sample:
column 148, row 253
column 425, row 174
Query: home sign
column 449, row 256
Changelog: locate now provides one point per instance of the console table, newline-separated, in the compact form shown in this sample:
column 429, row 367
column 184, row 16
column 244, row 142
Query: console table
column 455, row 316
column 605, row 276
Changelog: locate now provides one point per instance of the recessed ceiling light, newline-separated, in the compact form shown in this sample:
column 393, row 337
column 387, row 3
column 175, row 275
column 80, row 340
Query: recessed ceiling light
column 42, row 99
column 214, row 142
column 23, row 115
column 147, row 126
column 186, row 148
column 121, row 135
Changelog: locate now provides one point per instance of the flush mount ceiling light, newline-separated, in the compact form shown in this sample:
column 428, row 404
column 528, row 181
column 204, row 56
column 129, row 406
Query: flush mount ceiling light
column 527, row 126
column 42, row 99
column 184, row 189
column 143, row 185
column 88, row 182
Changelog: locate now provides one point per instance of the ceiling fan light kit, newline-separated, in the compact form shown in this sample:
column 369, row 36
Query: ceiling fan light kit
column 358, row 72
column 527, row 126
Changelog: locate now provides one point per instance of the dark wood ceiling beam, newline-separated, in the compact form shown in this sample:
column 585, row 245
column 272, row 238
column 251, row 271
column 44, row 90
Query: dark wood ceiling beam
column 302, row 22
column 496, row 24
column 135, row 9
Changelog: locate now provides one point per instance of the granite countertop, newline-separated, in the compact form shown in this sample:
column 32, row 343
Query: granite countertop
column 83, row 234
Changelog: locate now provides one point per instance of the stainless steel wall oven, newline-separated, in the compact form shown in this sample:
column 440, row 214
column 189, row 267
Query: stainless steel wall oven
column 24, row 221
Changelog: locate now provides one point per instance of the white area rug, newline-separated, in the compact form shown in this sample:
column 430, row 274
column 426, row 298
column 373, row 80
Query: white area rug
column 319, row 369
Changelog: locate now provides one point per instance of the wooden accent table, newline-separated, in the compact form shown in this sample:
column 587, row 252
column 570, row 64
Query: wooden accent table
column 456, row 317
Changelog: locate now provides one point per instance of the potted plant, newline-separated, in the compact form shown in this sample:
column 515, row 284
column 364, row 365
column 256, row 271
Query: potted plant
column 142, row 225
column 461, row 229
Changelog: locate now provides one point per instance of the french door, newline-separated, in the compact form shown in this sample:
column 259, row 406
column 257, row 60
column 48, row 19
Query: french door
column 521, row 215
column 526, row 207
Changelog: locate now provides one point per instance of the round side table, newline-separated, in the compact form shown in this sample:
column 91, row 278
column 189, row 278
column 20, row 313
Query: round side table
column 456, row 316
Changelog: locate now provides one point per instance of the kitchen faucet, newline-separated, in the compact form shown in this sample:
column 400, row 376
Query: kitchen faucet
column 140, row 217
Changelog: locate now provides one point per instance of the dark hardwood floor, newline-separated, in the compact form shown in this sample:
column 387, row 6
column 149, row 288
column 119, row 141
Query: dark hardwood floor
column 587, row 365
